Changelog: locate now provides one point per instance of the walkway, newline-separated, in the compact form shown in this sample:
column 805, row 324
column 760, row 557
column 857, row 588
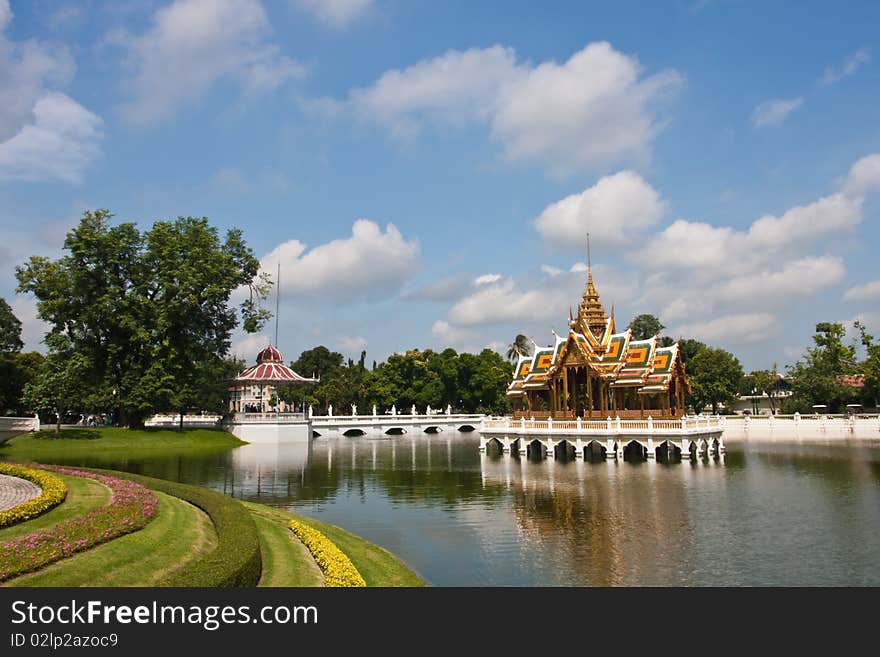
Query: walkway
column 15, row 491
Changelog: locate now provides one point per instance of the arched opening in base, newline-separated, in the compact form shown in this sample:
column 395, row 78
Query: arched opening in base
column 536, row 450
column 493, row 446
column 635, row 451
column 594, row 451
column 667, row 452
column 564, row 451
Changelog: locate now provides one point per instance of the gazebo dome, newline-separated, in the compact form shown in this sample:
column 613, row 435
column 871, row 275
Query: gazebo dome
column 269, row 355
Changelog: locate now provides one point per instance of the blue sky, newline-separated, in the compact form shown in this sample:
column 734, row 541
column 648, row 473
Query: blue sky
column 426, row 172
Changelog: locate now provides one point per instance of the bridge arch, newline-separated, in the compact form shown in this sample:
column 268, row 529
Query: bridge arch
column 467, row 428
column 354, row 432
column 433, row 429
column 395, row 431
column 494, row 443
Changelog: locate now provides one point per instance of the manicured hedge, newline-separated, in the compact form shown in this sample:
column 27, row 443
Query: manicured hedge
column 53, row 493
column 236, row 561
column 338, row 568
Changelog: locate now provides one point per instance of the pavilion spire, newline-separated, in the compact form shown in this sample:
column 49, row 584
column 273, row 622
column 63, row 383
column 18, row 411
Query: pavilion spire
column 590, row 311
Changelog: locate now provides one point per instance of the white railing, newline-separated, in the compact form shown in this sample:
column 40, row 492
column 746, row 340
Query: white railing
column 438, row 418
column 268, row 418
column 608, row 426
column 188, row 420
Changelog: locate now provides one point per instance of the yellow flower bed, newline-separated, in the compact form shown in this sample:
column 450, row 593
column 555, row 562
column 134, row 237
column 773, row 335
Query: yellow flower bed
column 338, row 568
column 54, row 492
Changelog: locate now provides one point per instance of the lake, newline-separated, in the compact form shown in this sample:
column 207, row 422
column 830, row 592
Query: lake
column 761, row 514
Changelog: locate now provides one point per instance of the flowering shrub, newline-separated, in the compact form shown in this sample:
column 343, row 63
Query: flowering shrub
column 338, row 568
column 53, row 493
column 131, row 507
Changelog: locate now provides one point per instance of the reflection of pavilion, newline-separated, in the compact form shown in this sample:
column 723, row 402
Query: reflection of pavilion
column 604, row 523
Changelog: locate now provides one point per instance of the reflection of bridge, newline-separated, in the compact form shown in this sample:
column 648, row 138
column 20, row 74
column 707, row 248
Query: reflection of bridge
column 12, row 426
column 361, row 425
column 608, row 438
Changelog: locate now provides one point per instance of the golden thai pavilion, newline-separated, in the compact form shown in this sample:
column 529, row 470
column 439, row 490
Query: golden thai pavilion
column 595, row 372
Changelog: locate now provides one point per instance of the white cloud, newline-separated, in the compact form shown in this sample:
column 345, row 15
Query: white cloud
column 193, row 44
column 803, row 277
column 610, row 211
column 485, row 279
column 59, row 145
column 851, row 65
column 351, row 344
column 594, row 110
column 578, row 266
column 66, row 16
column 370, row 265
column 731, row 329
column 863, row 292
column 336, row 13
column 864, row 176
column 774, row 112
column 793, row 352
column 44, row 134
column 444, row 289
column 550, row 270
column 449, row 335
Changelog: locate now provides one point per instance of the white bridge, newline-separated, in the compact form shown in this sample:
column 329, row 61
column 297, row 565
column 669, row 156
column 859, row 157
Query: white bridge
column 609, row 438
column 13, row 426
column 297, row 427
column 391, row 425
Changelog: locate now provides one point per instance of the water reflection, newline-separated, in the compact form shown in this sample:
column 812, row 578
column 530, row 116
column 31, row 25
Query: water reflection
column 760, row 514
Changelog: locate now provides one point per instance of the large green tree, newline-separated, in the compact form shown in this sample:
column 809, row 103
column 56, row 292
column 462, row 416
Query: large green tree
column 816, row 379
column 147, row 312
column 57, row 388
column 10, row 330
column 645, row 326
column 715, row 376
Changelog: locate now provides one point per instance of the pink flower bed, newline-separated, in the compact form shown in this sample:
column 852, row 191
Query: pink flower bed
column 131, row 507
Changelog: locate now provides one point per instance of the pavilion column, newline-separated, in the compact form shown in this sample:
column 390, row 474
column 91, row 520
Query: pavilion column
column 574, row 383
column 566, row 371
column 641, row 404
column 589, row 392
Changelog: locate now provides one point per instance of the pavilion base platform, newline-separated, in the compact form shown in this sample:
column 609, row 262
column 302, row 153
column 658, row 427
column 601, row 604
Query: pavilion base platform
column 271, row 428
column 612, row 438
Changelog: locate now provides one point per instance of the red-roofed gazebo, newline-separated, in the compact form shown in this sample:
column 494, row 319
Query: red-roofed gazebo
column 270, row 370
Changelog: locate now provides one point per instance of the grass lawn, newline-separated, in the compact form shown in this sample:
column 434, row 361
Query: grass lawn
column 179, row 534
column 286, row 561
column 83, row 495
column 115, row 443
column 376, row 564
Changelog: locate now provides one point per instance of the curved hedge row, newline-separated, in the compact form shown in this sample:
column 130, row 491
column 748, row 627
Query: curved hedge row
column 131, row 508
column 53, row 493
column 236, row 561
column 338, row 568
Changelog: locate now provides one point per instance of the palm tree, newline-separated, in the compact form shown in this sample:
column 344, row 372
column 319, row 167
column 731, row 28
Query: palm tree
column 519, row 347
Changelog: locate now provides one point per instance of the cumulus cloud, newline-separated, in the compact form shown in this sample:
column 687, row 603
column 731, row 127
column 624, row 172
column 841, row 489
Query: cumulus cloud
column 863, row 292
column 550, row 270
column 44, row 134
column 202, row 42
column 60, row 144
column 593, row 110
column 851, row 65
column 774, row 112
column 485, row 279
column 448, row 335
column 864, row 176
column 799, row 278
column 611, row 211
column 731, row 329
column 372, row 264
column 336, row 13
column 248, row 346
